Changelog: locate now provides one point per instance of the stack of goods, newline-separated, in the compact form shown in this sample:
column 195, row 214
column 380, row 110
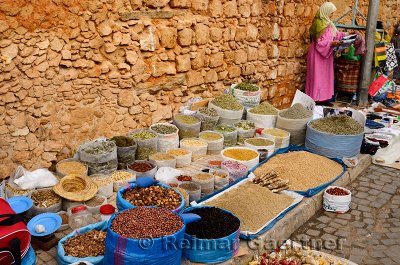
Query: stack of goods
column 132, row 226
column 209, row 118
column 221, row 178
column 143, row 169
column 281, row 138
column 272, row 181
column 247, row 94
column 303, row 170
column 104, row 184
column 228, row 109
column 252, row 204
column 193, row 189
column 168, row 137
column 183, row 157
column 189, row 126
column 100, row 156
column 121, row 178
column 89, row 244
column 216, row 226
column 71, row 166
column 230, row 134
column 246, row 129
column 335, row 136
column 153, row 196
column 163, row 160
column 45, row 200
column 215, row 141
column 126, row 149
column 147, row 143
column 197, row 147
column 263, row 115
column 294, row 120
column 247, row 156
column 236, row 169
column 206, row 182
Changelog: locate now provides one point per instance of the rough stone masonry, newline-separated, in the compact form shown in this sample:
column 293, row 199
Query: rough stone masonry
column 74, row 70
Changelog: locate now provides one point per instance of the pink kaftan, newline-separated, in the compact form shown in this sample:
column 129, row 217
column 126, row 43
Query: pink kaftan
column 320, row 76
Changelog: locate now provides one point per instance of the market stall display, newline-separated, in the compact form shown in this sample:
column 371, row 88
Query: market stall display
column 336, row 199
column 209, row 118
column 216, row 226
column 229, row 132
column 133, row 225
column 71, row 166
column 272, row 181
column 294, row 120
column 95, row 203
column 126, row 150
column 263, row 146
column 221, row 178
column 306, row 172
column 183, row 157
column 189, row 126
column 142, row 168
column 228, row 109
column 245, row 130
column 280, row 137
column 100, row 156
column 45, row 200
column 147, row 143
column 235, row 169
column 206, row 182
column 263, row 115
column 80, row 216
column 163, row 160
column 104, row 184
column 193, row 189
column 168, row 137
column 335, row 137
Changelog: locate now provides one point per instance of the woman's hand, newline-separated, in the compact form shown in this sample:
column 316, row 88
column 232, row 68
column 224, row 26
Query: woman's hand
column 335, row 43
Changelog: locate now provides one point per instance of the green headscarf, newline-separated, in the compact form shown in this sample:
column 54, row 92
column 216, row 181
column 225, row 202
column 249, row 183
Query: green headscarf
column 322, row 21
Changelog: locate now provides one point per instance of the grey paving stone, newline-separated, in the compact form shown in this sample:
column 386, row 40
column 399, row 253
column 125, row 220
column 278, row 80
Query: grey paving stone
column 389, row 189
column 372, row 198
column 313, row 233
column 324, row 219
column 345, row 216
column 356, row 258
column 369, row 221
column 373, row 192
column 329, row 230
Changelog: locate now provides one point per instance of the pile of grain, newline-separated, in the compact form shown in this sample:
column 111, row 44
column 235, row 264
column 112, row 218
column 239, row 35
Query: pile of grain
column 252, row 204
column 304, row 170
column 339, row 125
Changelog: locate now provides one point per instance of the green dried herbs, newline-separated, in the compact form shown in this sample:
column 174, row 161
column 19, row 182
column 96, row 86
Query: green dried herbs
column 297, row 111
column 264, row 109
column 259, row 142
column 208, row 112
column 227, row 102
column 224, row 128
column 210, row 136
column 339, row 125
column 245, row 125
column 164, row 128
column 99, row 148
column 247, row 87
column 143, row 135
column 186, row 119
column 123, row 141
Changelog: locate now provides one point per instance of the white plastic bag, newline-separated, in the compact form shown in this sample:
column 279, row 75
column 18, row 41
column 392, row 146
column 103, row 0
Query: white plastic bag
column 338, row 204
column 39, row 178
column 167, row 175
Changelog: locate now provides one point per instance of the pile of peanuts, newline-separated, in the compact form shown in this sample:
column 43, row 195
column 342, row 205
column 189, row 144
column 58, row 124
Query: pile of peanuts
column 153, row 196
column 142, row 222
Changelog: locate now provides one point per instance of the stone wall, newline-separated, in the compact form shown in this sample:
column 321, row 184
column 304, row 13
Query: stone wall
column 74, row 70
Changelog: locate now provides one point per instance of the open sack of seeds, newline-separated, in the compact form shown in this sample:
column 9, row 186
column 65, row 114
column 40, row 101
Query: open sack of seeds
column 297, row 169
column 257, row 207
column 100, row 156
column 84, row 244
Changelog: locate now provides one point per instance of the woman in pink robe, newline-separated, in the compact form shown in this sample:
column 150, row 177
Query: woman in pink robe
column 324, row 35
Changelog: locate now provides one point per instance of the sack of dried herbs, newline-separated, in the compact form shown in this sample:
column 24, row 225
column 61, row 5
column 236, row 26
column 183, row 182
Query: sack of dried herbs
column 228, row 108
column 101, row 156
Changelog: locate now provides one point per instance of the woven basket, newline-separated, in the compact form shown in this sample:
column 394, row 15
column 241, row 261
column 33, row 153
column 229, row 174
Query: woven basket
column 76, row 188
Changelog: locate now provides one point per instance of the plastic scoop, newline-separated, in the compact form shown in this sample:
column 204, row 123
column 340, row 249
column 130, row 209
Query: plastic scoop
column 190, row 218
column 145, row 182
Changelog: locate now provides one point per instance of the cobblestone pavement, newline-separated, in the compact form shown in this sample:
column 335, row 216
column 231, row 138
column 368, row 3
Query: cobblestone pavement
column 369, row 234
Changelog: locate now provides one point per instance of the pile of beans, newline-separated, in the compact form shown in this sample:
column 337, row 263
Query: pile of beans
column 90, row 244
column 214, row 223
column 184, row 178
column 141, row 166
column 337, row 192
column 121, row 175
column 153, row 196
column 144, row 222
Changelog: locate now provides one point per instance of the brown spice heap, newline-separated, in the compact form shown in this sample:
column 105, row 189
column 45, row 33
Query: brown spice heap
column 252, row 204
column 141, row 166
column 153, row 196
column 90, row 244
column 71, row 167
column 240, row 154
column 64, row 218
column 304, row 170
column 45, row 198
column 144, row 222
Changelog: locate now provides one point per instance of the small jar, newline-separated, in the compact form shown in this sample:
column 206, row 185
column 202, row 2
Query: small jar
column 106, row 211
column 80, row 216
